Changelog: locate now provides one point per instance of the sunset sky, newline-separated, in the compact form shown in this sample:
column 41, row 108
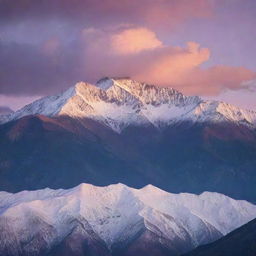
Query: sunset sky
column 200, row 47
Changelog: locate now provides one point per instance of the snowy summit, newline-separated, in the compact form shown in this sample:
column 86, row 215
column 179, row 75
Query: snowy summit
column 116, row 215
column 120, row 102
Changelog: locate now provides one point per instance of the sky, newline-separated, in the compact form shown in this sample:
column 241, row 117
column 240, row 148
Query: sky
column 199, row 47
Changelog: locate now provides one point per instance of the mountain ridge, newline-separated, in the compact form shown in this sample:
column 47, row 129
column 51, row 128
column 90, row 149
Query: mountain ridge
column 108, row 136
column 116, row 216
column 118, row 103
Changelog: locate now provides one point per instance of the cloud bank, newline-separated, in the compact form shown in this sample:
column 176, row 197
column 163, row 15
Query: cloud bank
column 97, row 12
column 47, row 46
column 127, row 50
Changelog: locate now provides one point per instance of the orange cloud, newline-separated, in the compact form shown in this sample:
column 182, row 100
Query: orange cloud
column 134, row 40
column 138, row 53
column 173, row 64
column 216, row 79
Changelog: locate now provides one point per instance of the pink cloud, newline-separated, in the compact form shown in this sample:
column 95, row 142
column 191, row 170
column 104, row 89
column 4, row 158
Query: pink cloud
column 171, row 65
column 124, row 50
column 217, row 79
column 50, row 46
column 134, row 40
column 151, row 12
column 140, row 54
column 171, row 13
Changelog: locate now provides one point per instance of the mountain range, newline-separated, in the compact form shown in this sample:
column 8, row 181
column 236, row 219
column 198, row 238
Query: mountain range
column 121, row 130
column 115, row 220
column 120, row 103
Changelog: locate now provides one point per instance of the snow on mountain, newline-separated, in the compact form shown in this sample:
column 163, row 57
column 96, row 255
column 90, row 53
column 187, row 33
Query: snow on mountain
column 48, row 106
column 116, row 214
column 120, row 102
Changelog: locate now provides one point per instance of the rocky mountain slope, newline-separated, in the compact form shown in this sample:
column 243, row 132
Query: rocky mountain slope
column 241, row 241
column 115, row 220
column 119, row 103
column 124, row 131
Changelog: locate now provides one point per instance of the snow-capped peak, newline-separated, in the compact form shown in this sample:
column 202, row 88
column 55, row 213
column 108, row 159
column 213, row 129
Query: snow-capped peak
column 121, row 102
column 148, row 94
column 116, row 213
column 105, row 83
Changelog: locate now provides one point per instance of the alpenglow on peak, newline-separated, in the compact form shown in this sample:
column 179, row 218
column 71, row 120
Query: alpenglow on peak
column 121, row 102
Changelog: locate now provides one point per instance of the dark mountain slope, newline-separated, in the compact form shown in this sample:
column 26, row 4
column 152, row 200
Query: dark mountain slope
column 240, row 242
column 38, row 152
